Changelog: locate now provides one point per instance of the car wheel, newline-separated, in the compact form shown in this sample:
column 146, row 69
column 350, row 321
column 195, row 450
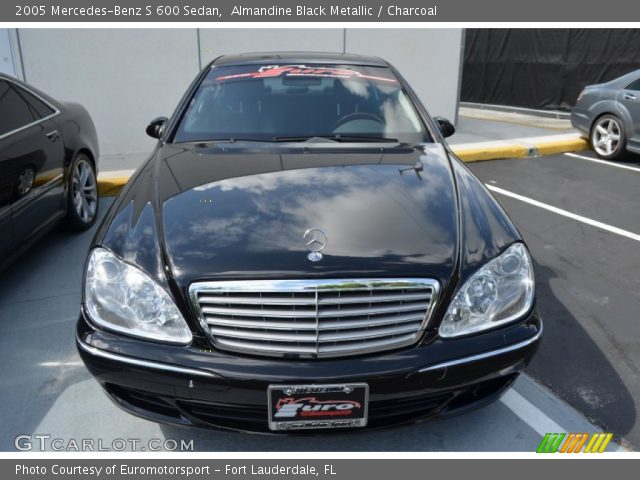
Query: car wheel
column 607, row 137
column 82, row 209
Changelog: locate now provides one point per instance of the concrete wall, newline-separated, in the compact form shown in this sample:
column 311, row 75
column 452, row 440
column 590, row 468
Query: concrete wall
column 429, row 59
column 6, row 53
column 125, row 77
column 216, row 42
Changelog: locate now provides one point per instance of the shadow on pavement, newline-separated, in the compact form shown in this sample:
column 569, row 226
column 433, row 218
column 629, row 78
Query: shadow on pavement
column 39, row 305
column 630, row 159
column 571, row 364
column 627, row 158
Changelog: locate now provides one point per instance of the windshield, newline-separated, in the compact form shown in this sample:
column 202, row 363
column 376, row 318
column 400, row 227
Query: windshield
column 300, row 102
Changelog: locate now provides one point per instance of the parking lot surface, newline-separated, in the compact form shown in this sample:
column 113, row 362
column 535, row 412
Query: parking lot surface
column 581, row 220
column 587, row 292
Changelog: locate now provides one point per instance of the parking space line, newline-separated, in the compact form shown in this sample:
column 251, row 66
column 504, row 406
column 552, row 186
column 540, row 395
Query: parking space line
column 529, row 413
column 565, row 213
column 603, row 162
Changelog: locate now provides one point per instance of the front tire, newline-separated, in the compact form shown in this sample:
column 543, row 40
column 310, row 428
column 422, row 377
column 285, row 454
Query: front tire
column 608, row 138
column 82, row 207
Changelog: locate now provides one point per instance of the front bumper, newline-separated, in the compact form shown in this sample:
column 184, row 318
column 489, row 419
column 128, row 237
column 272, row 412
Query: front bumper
column 201, row 387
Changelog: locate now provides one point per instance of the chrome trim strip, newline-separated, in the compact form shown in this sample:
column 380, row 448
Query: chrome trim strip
column 336, row 312
column 482, row 356
column 55, row 109
column 313, row 286
column 143, row 363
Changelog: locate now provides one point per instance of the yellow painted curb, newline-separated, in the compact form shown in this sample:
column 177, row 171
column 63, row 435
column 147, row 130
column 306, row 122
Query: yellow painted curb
column 112, row 185
column 562, row 146
column 491, row 153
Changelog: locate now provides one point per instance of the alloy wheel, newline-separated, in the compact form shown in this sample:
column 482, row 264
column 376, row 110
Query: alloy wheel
column 85, row 191
column 606, row 136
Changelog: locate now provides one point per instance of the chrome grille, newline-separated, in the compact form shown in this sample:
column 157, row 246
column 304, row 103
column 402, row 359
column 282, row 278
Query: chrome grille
column 314, row 318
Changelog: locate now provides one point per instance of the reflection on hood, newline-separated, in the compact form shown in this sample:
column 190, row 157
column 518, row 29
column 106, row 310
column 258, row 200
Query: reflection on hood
column 229, row 214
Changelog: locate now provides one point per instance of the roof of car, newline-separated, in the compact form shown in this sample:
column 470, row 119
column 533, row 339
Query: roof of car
column 299, row 57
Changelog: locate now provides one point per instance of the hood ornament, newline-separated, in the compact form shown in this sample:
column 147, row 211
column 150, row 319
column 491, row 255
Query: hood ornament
column 315, row 240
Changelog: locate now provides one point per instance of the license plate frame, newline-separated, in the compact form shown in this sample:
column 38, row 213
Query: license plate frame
column 317, row 406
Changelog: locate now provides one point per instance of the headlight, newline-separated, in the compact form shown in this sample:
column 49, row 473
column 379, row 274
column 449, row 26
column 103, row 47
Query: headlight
column 123, row 298
column 500, row 292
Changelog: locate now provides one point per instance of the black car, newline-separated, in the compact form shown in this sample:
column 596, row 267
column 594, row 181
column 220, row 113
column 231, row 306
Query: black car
column 303, row 251
column 48, row 160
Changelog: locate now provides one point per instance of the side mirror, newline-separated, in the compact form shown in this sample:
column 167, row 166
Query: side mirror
column 445, row 126
column 154, row 129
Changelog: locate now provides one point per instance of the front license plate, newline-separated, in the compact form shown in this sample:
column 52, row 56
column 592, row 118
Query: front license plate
column 304, row 407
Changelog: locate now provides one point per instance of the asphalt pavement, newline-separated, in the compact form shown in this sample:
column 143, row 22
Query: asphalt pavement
column 581, row 220
column 587, row 366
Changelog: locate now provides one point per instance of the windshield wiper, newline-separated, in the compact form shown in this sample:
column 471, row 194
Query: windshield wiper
column 337, row 137
column 232, row 140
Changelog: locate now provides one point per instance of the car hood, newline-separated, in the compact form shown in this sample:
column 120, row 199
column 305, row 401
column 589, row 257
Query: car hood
column 230, row 212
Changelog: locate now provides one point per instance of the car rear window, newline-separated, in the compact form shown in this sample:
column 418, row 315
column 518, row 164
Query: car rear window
column 266, row 102
column 16, row 112
column 635, row 85
column 42, row 109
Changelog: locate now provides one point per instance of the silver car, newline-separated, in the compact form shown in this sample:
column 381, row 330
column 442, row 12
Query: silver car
column 609, row 114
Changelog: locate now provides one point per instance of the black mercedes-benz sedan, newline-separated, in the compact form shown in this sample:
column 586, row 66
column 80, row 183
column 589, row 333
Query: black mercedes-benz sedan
column 302, row 251
column 48, row 161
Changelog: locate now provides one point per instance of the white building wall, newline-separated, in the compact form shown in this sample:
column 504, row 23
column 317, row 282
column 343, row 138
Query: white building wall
column 7, row 64
column 216, row 42
column 126, row 77
column 123, row 77
column 429, row 59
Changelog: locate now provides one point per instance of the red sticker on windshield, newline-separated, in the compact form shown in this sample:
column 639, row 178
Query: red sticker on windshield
column 305, row 71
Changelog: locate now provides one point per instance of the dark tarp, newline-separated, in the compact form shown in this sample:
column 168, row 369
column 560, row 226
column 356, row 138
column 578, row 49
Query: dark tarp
column 543, row 68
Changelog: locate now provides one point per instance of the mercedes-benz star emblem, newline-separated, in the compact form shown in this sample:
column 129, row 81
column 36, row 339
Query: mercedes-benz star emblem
column 315, row 240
